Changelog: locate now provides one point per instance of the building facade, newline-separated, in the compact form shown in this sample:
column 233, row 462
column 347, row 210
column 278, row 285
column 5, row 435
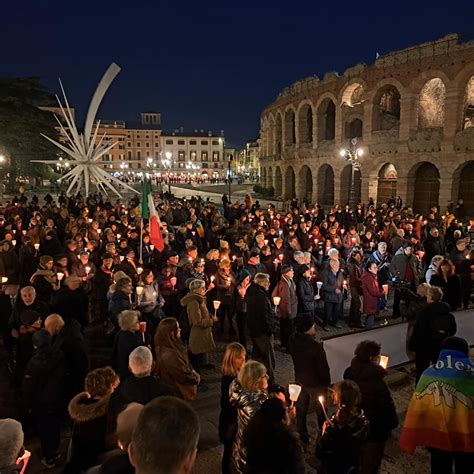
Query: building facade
column 412, row 113
column 248, row 160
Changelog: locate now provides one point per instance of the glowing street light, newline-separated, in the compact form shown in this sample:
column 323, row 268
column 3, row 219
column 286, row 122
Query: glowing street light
column 352, row 156
column 167, row 164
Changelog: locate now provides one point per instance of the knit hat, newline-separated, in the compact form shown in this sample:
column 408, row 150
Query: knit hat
column 243, row 275
column 300, row 269
column 106, row 255
column 41, row 338
column 286, row 269
column 304, row 323
column 29, row 317
column 45, row 259
column 11, row 441
column 254, row 253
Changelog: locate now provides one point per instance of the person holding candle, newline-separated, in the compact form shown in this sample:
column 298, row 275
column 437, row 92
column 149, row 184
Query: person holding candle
column 355, row 286
column 120, row 299
column 372, row 293
column 151, row 301
column 44, row 280
column 201, row 340
column 377, row 402
column 225, row 285
column 288, row 306
column 332, row 291
column 304, row 292
column 343, row 435
column 234, row 359
column 446, row 279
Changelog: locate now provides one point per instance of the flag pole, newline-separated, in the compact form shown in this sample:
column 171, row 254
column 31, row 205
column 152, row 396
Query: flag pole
column 141, row 241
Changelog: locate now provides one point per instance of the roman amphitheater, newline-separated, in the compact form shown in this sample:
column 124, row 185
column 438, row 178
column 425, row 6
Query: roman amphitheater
column 412, row 113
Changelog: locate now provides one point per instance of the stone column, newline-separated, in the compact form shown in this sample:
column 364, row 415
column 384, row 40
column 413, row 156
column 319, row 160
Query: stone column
column 300, row 186
column 445, row 191
column 408, row 118
column 368, row 188
column 297, row 130
column 405, row 192
column 367, row 125
column 453, row 112
column 337, row 185
column 338, row 126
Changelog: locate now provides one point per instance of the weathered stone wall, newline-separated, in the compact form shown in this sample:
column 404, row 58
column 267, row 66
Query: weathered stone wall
column 408, row 108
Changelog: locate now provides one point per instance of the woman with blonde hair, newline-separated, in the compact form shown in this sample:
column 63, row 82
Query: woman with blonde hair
column 225, row 284
column 247, row 393
column 234, row 359
column 172, row 362
column 201, row 340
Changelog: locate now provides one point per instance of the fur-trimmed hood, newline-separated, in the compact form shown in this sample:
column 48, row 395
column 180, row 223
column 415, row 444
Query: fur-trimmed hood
column 83, row 408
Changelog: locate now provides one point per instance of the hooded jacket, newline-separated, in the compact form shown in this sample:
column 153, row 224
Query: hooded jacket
column 200, row 336
column 377, row 402
column 371, row 292
column 247, row 404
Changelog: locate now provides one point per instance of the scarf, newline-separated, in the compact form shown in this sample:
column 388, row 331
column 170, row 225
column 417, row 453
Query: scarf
column 47, row 274
column 441, row 411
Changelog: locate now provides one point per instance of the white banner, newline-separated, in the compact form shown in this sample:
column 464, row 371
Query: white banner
column 340, row 349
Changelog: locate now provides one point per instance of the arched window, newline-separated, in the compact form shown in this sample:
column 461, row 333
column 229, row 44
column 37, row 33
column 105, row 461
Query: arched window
column 327, row 120
column 305, row 124
column 290, row 127
column 386, row 105
column 431, row 104
column 468, row 119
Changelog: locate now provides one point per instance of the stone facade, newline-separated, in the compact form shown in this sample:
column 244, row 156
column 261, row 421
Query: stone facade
column 412, row 112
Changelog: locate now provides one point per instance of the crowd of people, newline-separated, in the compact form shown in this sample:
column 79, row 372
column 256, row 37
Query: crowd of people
column 234, row 273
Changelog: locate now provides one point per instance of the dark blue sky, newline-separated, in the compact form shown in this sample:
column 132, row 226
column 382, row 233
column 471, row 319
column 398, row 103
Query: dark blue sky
column 208, row 65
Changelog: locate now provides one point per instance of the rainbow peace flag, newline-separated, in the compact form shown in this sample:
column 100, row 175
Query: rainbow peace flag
column 441, row 411
column 200, row 229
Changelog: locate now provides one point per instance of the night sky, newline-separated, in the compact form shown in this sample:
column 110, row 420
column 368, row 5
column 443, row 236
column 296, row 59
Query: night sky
column 208, row 65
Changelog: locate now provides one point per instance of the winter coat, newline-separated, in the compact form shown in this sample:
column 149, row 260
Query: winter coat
column 118, row 302
column 228, row 413
column 399, row 263
column 377, row 402
column 43, row 380
column 247, row 404
column 431, row 327
column 339, row 447
column 371, row 293
column 383, row 266
column 134, row 390
column 309, row 360
column 200, row 321
column 224, row 293
column 305, row 295
column 433, row 246
column 260, row 316
column 331, row 282
column 72, row 304
column 43, row 281
column 286, row 290
column 174, row 369
column 451, row 289
column 89, row 432
column 125, row 342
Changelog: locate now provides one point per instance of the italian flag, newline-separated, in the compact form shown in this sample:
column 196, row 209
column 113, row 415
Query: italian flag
column 149, row 212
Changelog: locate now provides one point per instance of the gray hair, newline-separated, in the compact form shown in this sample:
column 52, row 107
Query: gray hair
column 382, row 244
column 11, row 441
column 140, row 361
column 127, row 319
column 298, row 254
column 332, row 252
column 261, row 278
column 436, row 259
column 196, row 285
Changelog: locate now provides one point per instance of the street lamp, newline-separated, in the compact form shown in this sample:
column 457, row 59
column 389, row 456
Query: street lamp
column 167, row 165
column 352, row 156
column 229, row 163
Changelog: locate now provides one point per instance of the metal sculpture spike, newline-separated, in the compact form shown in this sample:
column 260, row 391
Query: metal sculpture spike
column 84, row 148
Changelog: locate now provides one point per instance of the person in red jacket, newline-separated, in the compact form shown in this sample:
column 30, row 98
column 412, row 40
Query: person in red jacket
column 371, row 292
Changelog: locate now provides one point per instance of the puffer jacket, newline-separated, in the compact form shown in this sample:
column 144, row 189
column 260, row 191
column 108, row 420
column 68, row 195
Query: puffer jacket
column 339, row 447
column 200, row 336
column 399, row 263
column 247, row 404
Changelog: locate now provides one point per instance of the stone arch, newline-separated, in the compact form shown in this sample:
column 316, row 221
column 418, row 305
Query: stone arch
column 386, row 183
column 270, row 178
column 468, row 105
column 326, row 121
column 424, row 178
column 386, row 108
column 278, row 182
column 290, row 126
column 431, row 104
column 305, row 123
column 354, row 128
column 271, row 135
column 325, row 185
column 346, row 184
column 463, row 186
column 278, row 133
column 263, row 177
column 353, row 94
column 290, row 183
column 306, row 183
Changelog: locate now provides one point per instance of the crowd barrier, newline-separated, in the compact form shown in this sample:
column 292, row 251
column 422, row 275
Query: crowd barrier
column 340, row 349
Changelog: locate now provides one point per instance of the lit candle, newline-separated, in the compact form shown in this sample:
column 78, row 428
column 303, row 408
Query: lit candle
column 23, row 232
column 152, row 247
column 280, row 257
column 383, row 361
column 173, row 281
column 118, row 236
column 13, row 243
column 212, row 278
column 276, row 300
column 321, row 401
column 139, row 290
column 88, row 270
column 385, row 289
column 37, row 246
column 139, row 270
column 99, row 231
column 60, row 276
column 294, row 389
column 4, row 280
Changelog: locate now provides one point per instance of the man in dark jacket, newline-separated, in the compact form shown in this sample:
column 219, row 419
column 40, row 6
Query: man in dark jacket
column 42, row 394
column 432, row 326
column 377, row 402
column 72, row 301
column 68, row 339
column 304, row 292
column 433, row 245
column 260, row 319
column 141, row 388
column 311, row 371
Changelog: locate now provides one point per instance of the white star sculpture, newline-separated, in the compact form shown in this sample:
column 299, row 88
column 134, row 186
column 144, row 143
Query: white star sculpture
column 84, row 148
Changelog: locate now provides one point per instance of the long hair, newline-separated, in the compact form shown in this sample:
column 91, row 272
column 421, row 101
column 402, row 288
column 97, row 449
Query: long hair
column 347, row 396
column 165, row 336
column 250, row 375
column 232, row 351
column 446, row 263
